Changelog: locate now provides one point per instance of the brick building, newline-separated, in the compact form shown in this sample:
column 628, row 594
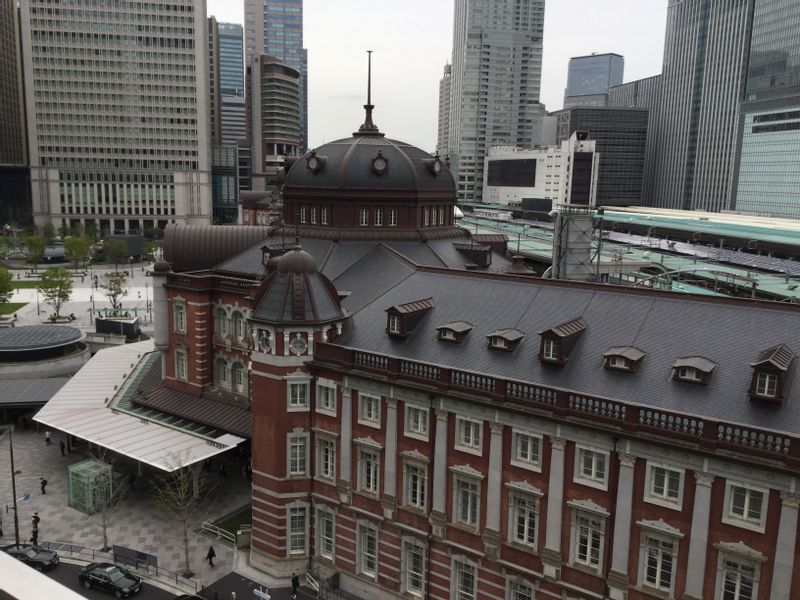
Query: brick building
column 427, row 424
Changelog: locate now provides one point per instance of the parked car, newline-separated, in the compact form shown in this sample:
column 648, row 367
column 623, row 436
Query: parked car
column 33, row 556
column 110, row 578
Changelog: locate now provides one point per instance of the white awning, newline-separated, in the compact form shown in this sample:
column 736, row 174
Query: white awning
column 84, row 408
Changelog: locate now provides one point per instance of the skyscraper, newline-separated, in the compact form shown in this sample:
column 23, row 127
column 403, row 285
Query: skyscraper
column 213, row 80
column 589, row 79
column 275, row 28
column 117, row 108
column 442, row 136
column 496, row 78
column 231, row 56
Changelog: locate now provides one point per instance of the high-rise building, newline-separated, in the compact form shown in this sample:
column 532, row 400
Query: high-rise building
column 642, row 93
column 766, row 176
column 442, row 136
column 589, row 78
column 702, row 82
column 275, row 28
column 14, row 192
column 117, row 111
column 495, row 84
column 213, row 80
column 620, row 135
column 231, row 54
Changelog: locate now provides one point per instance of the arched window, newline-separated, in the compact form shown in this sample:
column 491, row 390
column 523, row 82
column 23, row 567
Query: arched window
column 238, row 325
column 221, row 322
column 239, row 378
column 221, row 373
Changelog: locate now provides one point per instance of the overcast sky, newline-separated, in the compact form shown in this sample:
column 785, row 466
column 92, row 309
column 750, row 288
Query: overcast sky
column 412, row 40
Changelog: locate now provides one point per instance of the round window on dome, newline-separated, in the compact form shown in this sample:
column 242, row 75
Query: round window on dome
column 380, row 164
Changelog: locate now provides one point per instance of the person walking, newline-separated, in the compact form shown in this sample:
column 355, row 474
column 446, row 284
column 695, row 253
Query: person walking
column 35, row 528
column 210, row 555
column 295, row 585
column 47, row 437
column 63, row 447
column 43, row 484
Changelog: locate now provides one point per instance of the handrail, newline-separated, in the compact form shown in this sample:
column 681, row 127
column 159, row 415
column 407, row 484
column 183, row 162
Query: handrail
column 217, row 532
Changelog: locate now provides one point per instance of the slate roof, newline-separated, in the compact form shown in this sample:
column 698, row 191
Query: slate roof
column 628, row 352
column 695, row 362
column 509, row 335
column 665, row 326
column 29, row 392
column 780, row 357
column 415, row 306
column 568, row 329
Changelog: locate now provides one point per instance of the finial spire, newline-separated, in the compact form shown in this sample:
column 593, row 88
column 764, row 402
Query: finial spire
column 368, row 128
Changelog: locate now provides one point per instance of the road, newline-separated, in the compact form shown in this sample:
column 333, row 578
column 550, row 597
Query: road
column 67, row 575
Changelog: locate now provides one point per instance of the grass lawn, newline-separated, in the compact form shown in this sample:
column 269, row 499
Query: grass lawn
column 27, row 283
column 10, row 307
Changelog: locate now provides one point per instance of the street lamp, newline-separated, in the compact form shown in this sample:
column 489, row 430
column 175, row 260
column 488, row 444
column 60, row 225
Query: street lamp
column 14, row 473
column 38, row 310
column 130, row 265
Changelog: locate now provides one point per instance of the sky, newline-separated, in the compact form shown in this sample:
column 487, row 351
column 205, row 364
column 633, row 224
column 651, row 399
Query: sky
column 411, row 41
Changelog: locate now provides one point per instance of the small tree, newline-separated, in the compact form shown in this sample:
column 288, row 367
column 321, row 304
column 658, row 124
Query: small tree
column 116, row 251
column 49, row 234
column 110, row 492
column 56, row 287
column 35, row 245
column 114, row 288
column 91, row 231
column 182, row 496
column 6, row 285
column 77, row 250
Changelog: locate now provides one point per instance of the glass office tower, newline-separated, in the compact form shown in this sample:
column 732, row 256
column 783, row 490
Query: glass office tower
column 589, row 78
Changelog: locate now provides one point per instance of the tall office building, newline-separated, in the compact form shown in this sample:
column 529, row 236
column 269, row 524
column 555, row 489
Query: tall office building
column 767, row 176
column 443, row 133
column 496, row 78
column 117, row 108
column 231, row 52
column 703, row 80
column 275, row 28
column 14, row 193
column 213, row 81
column 589, row 78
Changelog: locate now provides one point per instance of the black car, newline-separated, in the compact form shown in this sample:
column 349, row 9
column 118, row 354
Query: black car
column 110, row 578
column 33, row 556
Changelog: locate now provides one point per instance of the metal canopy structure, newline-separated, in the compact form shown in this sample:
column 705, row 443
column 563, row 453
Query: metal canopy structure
column 95, row 406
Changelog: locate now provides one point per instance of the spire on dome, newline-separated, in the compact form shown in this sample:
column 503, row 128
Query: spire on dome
column 368, row 128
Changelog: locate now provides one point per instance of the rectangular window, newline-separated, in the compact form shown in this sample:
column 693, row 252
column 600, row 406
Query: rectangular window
column 302, row 214
column 326, row 399
column 738, row 581
column 549, row 349
column 327, row 458
column 313, row 215
column 367, row 551
column 519, row 591
column 689, row 374
column 369, row 411
column 364, row 217
column 469, row 434
column 180, row 317
column 665, row 484
column 591, row 466
column 298, row 395
column 180, row 364
column 426, row 216
column 659, row 563
column 297, row 530
column 589, row 539
column 526, row 449
column 414, row 568
column 392, row 217
column 369, row 472
column 416, row 485
column 416, row 421
column 524, row 512
column 464, row 581
column 467, row 502
column 441, row 216
column 395, row 325
column 767, row 385
column 324, row 215
column 745, row 504
column 327, row 534
column 297, row 455
column 379, row 217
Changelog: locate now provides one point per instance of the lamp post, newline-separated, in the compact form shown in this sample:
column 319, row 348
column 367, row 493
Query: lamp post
column 130, row 265
column 38, row 310
column 13, row 483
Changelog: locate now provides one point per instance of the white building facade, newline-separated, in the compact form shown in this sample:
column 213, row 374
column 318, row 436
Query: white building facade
column 118, row 107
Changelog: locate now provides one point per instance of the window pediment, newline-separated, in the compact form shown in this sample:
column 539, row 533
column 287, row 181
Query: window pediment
column 660, row 526
column 589, row 506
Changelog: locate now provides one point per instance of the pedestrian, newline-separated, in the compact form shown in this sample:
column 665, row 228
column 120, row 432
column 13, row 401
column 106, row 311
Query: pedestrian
column 35, row 520
column 295, row 585
column 35, row 536
column 47, row 437
column 63, row 447
column 210, row 555
column 43, row 484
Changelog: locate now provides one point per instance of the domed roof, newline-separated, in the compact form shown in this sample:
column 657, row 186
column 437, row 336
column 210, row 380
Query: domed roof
column 296, row 260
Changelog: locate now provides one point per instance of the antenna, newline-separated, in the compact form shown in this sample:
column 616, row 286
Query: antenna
column 369, row 78
column 368, row 128
column 297, row 230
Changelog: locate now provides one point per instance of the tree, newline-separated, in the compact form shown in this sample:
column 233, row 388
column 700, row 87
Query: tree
column 116, row 251
column 6, row 285
column 91, row 231
column 110, row 492
column 35, row 245
column 114, row 288
column 49, row 234
column 56, row 287
column 183, row 497
column 77, row 250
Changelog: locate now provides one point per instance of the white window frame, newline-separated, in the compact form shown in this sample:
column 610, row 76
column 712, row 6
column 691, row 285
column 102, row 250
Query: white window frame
column 415, row 496
column 181, row 363
column 644, row 556
column 299, row 441
column 326, row 457
column 651, row 494
column 690, row 374
column 369, row 410
column 238, row 370
column 302, row 214
column 619, row 362
column 766, row 384
column 326, row 397
column 363, row 217
column 295, row 401
column 416, row 422
column 498, row 342
column 520, row 590
column 324, row 215
column 469, row 435
column 729, row 558
column 519, row 438
column 411, row 545
column 221, row 322
column 441, row 215
column 426, row 217
column 591, row 480
column 378, row 217
column 528, row 505
column 462, row 567
column 326, row 545
column 179, row 316
column 363, row 551
column 581, row 519
column 313, row 215
column 369, row 471
column 395, row 324
column 472, row 518
column 392, row 217
column 238, row 327
column 221, row 372
column 294, row 532
column 745, row 521
column 550, row 349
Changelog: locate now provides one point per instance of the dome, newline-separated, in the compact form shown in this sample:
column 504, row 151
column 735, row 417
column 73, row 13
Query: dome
column 296, row 260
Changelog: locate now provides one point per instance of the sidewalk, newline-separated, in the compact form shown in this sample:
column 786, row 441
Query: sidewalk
column 136, row 525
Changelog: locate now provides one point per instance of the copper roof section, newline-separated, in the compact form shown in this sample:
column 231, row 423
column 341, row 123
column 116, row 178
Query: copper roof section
column 409, row 308
column 695, row 362
column 566, row 330
column 629, row 352
column 490, row 238
column 199, row 247
column 780, row 357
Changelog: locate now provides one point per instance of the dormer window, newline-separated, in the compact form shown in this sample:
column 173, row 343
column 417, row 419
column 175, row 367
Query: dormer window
column 402, row 319
column 694, row 369
column 772, row 374
column 506, row 340
column 454, row 332
column 623, row 358
column 558, row 342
